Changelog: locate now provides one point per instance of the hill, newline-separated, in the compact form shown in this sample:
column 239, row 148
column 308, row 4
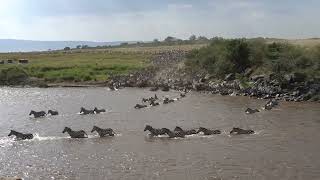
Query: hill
column 13, row 45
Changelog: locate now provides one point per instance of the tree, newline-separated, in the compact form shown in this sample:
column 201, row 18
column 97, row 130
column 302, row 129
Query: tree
column 202, row 38
column 170, row 39
column 84, row 47
column 193, row 38
column 156, row 41
column 67, row 49
column 78, row 47
column 238, row 54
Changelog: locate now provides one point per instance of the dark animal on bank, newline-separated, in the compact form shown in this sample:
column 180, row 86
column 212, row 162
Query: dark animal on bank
column 186, row 132
column 208, row 131
column 53, row 113
column 153, row 131
column 174, row 134
column 75, row 134
column 241, row 131
column 182, row 95
column 145, row 99
column 85, row 111
column 154, row 103
column 251, row 111
column 167, row 100
column 103, row 132
column 150, row 99
column 154, row 88
column 98, row 111
column 165, row 88
column 37, row 114
column 270, row 104
column 20, row 136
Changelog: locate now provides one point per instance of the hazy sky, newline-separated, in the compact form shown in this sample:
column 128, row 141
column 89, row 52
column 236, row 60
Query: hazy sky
column 113, row 20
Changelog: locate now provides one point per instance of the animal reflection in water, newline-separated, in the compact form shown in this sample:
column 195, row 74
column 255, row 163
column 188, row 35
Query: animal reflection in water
column 241, row 131
column 20, row 136
column 103, row 132
column 37, row 114
column 75, row 134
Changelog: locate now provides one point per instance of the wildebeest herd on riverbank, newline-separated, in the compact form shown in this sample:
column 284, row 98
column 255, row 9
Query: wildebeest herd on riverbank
column 178, row 132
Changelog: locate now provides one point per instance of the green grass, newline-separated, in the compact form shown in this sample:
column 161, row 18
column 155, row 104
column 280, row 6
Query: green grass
column 62, row 66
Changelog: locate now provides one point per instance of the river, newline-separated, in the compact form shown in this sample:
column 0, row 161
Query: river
column 285, row 145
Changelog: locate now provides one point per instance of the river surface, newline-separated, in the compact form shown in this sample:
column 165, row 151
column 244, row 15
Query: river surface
column 285, row 145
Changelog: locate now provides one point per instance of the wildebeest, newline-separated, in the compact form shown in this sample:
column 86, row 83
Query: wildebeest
column 154, row 103
column 186, row 132
column 153, row 131
column 103, row 132
column 85, row 111
column 208, row 131
column 241, row 131
column 98, row 111
column 165, row 88
column 139, row 106
column 251, row 111
column 37, row 114
column 167, row 100
column 75, row 134
column 20, row 136
column 270, row 104
column 174, row 134
column 53, row 113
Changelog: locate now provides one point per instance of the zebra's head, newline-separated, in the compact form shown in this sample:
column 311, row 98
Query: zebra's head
column 66, row 129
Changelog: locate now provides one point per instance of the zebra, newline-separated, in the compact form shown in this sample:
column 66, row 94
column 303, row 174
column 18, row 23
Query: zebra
column 103, row 132
column 53, row 113
column 153, row 131
column 187, row 132
column 208, row 131
column 174, row 134
column 75, row 134
column 85, row 111
column 20, row 136
column 98, row 111
column 241, row 131
column 37, row 114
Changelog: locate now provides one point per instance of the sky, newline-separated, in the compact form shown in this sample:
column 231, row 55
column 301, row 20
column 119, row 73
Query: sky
column 132, row 20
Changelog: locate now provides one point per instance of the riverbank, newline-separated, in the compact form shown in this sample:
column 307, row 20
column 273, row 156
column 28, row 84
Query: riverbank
column 166, row 68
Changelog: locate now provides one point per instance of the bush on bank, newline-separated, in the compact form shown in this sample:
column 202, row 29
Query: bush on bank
column 224, row 56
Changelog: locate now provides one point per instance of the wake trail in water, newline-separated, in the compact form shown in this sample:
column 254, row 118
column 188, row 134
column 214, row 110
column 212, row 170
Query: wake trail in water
column 7, row 141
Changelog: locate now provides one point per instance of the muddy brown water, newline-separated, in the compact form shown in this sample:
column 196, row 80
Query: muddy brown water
column 285, row 145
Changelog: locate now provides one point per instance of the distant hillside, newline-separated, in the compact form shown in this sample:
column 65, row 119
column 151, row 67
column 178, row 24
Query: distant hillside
column 12, row 45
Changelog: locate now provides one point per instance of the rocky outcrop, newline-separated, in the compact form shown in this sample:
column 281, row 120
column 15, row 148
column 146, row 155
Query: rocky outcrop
column 168, row 72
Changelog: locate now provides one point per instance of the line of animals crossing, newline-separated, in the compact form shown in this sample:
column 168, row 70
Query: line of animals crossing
column 178, row 132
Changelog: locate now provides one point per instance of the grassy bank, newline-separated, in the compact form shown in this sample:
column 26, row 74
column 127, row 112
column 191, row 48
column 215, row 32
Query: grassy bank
column 76, row 67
